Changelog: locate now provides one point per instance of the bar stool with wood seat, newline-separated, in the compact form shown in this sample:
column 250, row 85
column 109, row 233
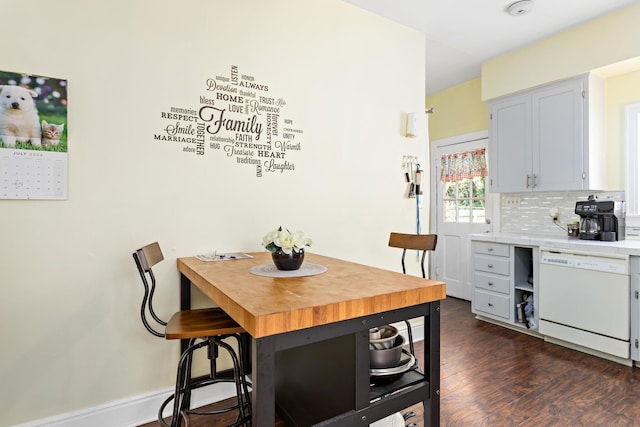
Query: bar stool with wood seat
column 419, row 242
column 424, row 243
column 204, row 328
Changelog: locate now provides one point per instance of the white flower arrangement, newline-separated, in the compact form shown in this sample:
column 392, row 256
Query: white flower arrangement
column 283, row 239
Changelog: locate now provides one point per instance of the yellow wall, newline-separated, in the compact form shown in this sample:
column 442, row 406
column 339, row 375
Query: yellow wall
column 69, row 306
column 621, row 91
column 606, row 40
column 458, row 110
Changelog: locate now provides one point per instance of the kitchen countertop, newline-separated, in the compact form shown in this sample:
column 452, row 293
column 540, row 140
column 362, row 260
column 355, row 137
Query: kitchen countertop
column 623, row 247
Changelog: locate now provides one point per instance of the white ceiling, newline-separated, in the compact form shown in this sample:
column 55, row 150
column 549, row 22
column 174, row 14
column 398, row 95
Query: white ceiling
column 461, row 34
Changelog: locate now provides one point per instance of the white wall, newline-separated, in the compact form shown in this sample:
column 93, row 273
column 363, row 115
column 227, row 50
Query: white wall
column 70, row 292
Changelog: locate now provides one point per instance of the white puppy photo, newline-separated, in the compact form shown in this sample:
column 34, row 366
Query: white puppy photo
column 19, row 119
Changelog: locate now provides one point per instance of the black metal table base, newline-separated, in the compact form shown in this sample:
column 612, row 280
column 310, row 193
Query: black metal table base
column 272, row 356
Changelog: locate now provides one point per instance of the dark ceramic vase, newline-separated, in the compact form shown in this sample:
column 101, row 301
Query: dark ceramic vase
column 291, row 261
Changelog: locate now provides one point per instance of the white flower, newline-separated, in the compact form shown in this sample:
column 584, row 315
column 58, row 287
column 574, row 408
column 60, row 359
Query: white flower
column 269, row 237
column 300, row 241
column 283, row 239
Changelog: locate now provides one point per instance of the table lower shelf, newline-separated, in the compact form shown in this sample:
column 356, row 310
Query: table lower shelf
column 317, row 385
column 382, row 390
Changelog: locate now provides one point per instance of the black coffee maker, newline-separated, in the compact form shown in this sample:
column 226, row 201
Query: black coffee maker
column 601, row 219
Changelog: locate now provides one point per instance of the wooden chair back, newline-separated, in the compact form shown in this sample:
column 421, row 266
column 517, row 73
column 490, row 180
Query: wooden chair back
column 420, row 242
column 149, row 256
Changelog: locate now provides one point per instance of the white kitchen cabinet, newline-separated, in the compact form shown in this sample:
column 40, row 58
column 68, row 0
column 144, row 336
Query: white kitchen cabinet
column 549, row 138
column 502, row 279
column 491, row 280
column 510, row 139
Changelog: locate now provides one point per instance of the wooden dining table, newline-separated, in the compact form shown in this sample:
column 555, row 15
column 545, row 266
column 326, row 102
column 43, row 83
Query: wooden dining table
column 310, row 336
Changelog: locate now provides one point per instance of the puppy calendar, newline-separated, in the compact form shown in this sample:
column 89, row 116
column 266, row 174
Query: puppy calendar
column 33, row 137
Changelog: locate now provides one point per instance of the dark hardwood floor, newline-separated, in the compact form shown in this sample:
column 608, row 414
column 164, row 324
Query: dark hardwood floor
column 492, row 376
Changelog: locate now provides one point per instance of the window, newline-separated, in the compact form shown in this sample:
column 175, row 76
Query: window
column 464, row 200
column 463, row 175
column 632, row 193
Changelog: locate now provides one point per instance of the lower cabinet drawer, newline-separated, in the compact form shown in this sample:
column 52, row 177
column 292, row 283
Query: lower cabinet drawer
column 492, row 264
column 491, row 248
column 491, row 303
column 491, row 282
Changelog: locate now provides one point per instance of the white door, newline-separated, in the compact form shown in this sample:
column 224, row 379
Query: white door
column 457, row 210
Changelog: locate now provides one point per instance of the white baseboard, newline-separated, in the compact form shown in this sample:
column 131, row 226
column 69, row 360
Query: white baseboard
column 132, row 411
column 143, row 408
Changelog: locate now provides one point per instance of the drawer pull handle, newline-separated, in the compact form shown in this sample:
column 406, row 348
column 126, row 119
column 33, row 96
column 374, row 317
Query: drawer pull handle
column 490, row 283
column 490, row 305
column 490, row 249
column 489, row 265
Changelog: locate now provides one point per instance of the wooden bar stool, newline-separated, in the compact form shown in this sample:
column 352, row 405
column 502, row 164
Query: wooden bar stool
column 419, row 242
column 204, row 328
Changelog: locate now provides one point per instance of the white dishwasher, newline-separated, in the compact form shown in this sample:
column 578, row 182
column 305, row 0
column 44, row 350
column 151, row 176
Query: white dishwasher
column 585, row 300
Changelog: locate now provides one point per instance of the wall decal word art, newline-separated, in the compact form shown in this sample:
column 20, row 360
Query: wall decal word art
column 237, row 117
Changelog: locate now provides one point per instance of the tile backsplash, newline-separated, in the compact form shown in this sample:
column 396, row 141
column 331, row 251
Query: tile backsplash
column 529, row 212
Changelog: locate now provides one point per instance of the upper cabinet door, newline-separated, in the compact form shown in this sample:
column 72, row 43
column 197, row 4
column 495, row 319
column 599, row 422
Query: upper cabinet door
column 558, row 156
column 510, row 145
column 549, row 138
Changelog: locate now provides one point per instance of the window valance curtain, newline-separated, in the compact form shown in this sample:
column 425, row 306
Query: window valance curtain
column 464, row 165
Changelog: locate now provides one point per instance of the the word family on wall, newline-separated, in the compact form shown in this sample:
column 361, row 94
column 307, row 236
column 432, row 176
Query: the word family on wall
column 237, row 117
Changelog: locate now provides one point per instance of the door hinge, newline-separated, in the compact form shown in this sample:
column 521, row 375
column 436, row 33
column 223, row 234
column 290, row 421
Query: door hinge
column 636, row 342
column 636, row 294
column 584, row 94
column 490, row 116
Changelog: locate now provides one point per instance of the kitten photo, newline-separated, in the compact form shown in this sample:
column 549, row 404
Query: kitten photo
column 51, row 133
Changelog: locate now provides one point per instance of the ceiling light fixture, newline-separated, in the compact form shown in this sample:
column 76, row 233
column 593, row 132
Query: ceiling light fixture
column 519, row 8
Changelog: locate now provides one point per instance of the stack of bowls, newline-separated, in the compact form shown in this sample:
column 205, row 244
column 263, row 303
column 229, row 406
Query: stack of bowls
column 385, row 347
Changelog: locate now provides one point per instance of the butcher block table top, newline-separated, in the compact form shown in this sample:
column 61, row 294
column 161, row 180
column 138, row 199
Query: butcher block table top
column 266, row 306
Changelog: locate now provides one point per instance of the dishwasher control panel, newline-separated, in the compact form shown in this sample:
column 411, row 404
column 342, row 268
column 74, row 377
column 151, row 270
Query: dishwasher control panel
column 597, row 262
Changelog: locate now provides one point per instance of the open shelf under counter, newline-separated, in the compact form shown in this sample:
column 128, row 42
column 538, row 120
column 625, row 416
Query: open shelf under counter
column 527, row 287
